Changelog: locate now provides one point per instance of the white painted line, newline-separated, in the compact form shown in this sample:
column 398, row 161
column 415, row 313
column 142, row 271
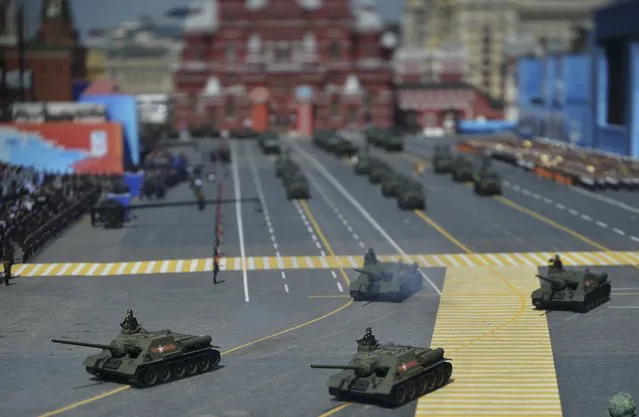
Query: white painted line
column 238, row 214
column 359, row 208
column 618, row 231
column 601, row 224
column 547, row 200
column 339, row 286
column 67, row 266
column 334, row 274
column 107, row 269
column 179, row 266
column 164, row 267
column 48, row 270
column 509, row 259
column 21, row 268
column 586, row 218
column 635, row 238
column 606, row 200
column 149, row 267
column 286, row 287
column 439, row 261
column 93, row 268
column 136, row 268
column 523, row 259
column 494, row 259
column 466, row 259
column 194, row 265
column 540, row 261
column 352, row 261
column 208, row 265
column 573, row 212
column 237, row 264
column 560, row 206
column 35, row 270
column 266, row 263
column 451, row 259
column 396, row 259
column 251, row 263
column 423, row 261
column 222, row 264
column 323, row 262
column 76, row 271
column 280, row 262
column 296, row 264
column 481, row 258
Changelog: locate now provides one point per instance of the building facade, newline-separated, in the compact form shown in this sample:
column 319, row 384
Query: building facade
column 487, row 28
column 297, row 64
column 139, row 56
column 52, row 61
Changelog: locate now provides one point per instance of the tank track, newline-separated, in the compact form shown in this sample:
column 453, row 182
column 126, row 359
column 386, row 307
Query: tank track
column 182, row 367
column 408, row 390
column 595, row 298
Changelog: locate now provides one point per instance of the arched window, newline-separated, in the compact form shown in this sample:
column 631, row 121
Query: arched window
column 309, row 43
column 230, row 109
column 334, row 50
column 255, row 44
column 230, row 52
column 335, row 110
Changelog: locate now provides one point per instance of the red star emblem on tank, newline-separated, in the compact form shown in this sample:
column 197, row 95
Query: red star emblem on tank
column 405, row 366
column 163, row 348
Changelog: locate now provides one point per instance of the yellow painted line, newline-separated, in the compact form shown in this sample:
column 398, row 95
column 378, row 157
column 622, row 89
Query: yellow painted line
column 501, row 349
column 334, row 410
column 441, row 230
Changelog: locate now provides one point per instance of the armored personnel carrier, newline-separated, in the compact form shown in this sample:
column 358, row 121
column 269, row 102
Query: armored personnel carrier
column 442, row 160
column 144, row 358
column 462, row 169
column 390, row 373
column 565, row 289
column 385, row 281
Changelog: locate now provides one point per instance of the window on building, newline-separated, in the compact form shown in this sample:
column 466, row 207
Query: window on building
column 230, row 109
column 334, row 49
column 283, row 53
column 352, row 114
column 368, row 103
column 617, row 59
column 230, row 52
column 335, row 110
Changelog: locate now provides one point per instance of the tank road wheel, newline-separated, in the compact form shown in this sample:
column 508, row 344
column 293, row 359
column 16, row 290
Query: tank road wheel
column 179, row 369
column 398, row 395
column 421, row 385
column 204, row 363
column 411, row 390
column 431, row 382
column 191, row 366
column 164, row 373
column 149, row 377
column 439, row 378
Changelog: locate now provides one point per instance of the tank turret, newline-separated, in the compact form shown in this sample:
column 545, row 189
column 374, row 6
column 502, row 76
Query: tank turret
column 559, row 284
column 385, row 281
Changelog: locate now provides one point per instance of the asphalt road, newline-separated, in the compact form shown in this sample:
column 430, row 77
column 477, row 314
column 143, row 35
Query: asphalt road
column 594, row 353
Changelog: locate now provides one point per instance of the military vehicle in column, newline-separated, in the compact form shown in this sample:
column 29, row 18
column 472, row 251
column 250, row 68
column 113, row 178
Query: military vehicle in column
column 390, row 373
column 269, row 143
column 392, row 142
column 363, row 164
column 343, row 148
column 144, row 358
column 385, row 281
column 284, row 162
column 411, row 196
column 442, row 160
column 463, row 169
column 296, row 186
column 573, row 290
column 378, row 170
column 486, row 180
column 392, row 184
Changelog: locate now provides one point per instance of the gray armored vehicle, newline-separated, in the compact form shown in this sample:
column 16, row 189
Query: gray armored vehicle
column 385, row 281
column 390, row 373
column 565, row 289
column 145, row 358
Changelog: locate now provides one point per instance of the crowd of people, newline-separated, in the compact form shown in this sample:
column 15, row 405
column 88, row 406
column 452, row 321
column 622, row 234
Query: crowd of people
column 30, row 200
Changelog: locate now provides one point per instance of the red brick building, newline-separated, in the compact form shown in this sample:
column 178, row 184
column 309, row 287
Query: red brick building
column 430, row 90
column 303, row 64
column 54, row 58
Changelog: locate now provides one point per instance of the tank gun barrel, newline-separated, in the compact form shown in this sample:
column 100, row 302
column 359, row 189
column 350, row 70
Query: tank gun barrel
column 361, row 271
column 74, row 343
column 198, row 341
column 344, row 367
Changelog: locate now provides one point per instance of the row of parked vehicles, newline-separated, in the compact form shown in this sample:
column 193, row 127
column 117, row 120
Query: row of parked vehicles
column 407, row 190
column 486, row 180
column 334, row 143
column 293, row 178
column 386, row 139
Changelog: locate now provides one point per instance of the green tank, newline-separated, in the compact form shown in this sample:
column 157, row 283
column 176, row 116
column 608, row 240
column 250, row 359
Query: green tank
column 411, row 198
column 462, row 169
column 487, row 183
column 442, row 160
column 363, row 164
column 269, row 142
column 297, row 189
column 144, row 358
column 385, row 281
column 389, row 373
column 393, row 142
column 574, row 290
column 344, row 148
column 392, row 183
column 378, row 171
column 284, row 163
